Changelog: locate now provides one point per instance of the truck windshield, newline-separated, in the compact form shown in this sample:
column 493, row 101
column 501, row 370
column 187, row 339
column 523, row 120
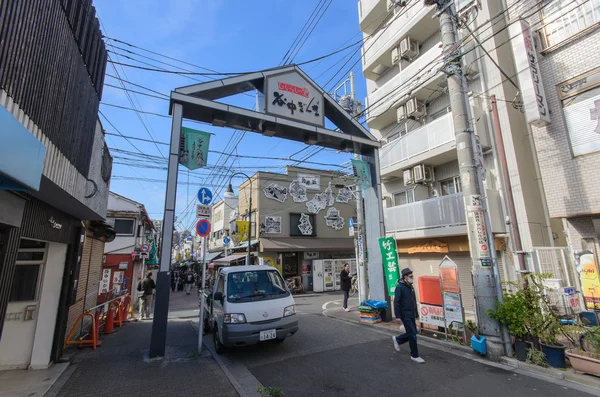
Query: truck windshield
column 255, row 285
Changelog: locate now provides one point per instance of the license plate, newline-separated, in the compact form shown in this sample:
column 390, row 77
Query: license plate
column 267, row 335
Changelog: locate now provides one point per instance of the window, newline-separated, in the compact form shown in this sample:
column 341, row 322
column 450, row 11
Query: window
column 566, row 18
column 308, row 227
column 451, row 186
column 404, row 197
column 124, row 226
column 26, row 279
column 255, row 285
column 220, row 283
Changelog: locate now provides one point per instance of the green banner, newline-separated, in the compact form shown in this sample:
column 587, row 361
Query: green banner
column 389, row 258
column 362, row 174
column 193, row 148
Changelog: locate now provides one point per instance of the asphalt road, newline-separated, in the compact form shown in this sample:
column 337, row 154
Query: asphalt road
column 328, row 357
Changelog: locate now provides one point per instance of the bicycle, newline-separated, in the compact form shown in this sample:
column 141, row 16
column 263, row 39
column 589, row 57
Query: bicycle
column 354, row 285
column 294, row 285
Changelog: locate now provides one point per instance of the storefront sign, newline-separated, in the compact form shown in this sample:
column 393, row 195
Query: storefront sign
column 55, row 225
column 193, row 148
column 432, row 315
column 118, row 277
column 387, row 245
column 292, row 96
column 429, row 246
column 105, row 282
column 590, row 282
column 528, row 72
column 122, row 265
column 311, row 255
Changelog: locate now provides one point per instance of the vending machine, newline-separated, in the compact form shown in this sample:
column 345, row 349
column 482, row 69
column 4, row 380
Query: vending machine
column 318, row 276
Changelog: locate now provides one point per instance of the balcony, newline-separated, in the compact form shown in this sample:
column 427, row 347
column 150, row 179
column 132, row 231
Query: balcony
column 434, row 144
column 370, row 14
column 437, row 217
column 415, row 21
column 418, row 78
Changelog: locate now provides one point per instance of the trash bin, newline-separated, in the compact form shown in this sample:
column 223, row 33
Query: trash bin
column 307, row 280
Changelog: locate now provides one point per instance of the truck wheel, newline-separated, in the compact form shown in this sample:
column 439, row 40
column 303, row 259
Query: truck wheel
column 280, row 340
column 219, row 347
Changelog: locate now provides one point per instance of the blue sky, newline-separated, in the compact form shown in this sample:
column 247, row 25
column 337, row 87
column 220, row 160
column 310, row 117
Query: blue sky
column 223, row 35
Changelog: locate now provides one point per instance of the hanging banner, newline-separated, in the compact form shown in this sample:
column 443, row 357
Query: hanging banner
column 362, row 174
column 242, row 230
column 590, row 282
column 387, row 245
column 193, row 148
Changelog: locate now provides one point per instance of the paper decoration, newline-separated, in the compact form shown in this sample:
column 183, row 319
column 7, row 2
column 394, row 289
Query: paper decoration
column 321, row 201
column 273, row 224
column 276, row 192
column 311, row 181
column 334, row 219
column 344, row 195
column 304, row 225
column 298, row 191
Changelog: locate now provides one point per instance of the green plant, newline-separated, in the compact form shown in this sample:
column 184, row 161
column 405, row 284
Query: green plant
column 537, row 357
column 474, row 328
column 269, row 391
column 591, row 340
column 515, row 313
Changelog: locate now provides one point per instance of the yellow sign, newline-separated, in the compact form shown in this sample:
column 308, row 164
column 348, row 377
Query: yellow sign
column 242, row 230
column 267, row 260
column 429, row 246
column 590, row 282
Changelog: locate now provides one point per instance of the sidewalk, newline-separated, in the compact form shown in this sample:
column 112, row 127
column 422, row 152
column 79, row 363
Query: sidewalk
column 575, row 379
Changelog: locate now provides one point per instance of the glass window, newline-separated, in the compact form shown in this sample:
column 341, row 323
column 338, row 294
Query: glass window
column 404, row 197
column 124, row 226
column 451, row 186
column 295, row 225
column 255, row 285
column 220, row 283
column 25, row 243
column 25, row 281
column 565, row 18
column 582, row 116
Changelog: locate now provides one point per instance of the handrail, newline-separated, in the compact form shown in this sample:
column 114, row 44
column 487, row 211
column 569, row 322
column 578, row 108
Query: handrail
column 107, row 302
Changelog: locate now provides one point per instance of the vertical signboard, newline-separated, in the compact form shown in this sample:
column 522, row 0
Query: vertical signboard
column 529, row 74
column 193, row 148
column 390, row 263
column 590, row 281
column 451, row 297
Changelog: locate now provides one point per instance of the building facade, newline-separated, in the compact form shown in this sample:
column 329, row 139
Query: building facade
column 408, row 108
column 54, row 172
column 124, row 262
column 222, row 213
column 297, row 217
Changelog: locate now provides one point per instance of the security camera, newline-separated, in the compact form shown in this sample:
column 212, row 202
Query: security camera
column 507, row 220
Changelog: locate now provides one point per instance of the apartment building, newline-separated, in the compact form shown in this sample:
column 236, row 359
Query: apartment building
column 222, row 213
column 408, row 109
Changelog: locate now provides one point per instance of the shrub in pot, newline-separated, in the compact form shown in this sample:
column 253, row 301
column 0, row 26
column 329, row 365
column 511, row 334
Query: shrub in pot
column 586, row 358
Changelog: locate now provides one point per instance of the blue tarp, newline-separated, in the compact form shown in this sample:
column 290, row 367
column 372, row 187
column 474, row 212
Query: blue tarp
column 375, row 304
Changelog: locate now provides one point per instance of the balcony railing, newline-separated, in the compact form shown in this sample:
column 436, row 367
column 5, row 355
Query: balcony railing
column 387, row 37
column 366, row 6
column 437, row 212
column 379, row 101
column 428, row 137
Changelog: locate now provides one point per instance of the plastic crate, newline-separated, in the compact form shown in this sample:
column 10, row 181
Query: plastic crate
column 479, row 344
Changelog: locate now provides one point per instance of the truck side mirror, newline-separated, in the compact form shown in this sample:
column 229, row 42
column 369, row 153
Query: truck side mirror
column 218, row 296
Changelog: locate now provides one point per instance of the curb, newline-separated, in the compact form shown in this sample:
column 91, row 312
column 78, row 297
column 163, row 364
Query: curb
column 577, row 381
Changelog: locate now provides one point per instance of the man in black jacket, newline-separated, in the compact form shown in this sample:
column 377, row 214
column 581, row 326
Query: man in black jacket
column 405, row 307
column 346, row 283
column 146, row 287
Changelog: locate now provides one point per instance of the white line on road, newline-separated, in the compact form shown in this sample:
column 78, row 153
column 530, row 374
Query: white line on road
column 324, row 307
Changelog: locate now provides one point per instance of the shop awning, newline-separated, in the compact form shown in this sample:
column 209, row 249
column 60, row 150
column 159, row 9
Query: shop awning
column 306, row 244
column 228, row 260
column 210, row 256
column 245, row 244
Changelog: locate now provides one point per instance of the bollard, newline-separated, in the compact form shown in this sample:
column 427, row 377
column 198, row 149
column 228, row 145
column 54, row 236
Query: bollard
column 109, row 322
column 118, row 321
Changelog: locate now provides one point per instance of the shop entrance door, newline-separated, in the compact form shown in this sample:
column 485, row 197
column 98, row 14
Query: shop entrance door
column 290, row 264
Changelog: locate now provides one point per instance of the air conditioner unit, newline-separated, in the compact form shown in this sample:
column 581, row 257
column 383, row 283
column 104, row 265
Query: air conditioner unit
column 408, row 177
column 423, row 173
column 409, row 49
column 415, row 108
column 395, row 55
column 401, row 113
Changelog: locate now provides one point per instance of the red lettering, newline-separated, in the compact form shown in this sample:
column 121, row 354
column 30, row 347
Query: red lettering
column 293, row 89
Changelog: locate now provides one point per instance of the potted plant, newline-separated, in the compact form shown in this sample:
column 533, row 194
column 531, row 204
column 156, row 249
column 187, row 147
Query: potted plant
column 515, row 313
column 586, row 358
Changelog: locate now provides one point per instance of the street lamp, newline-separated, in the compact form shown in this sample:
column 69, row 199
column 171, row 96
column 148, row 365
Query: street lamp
column 230, row 190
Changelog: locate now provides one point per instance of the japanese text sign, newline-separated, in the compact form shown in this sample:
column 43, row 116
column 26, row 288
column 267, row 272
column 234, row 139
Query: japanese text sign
column 292, row 96
column 193, row 148
column 389, row 258
column 362, row 174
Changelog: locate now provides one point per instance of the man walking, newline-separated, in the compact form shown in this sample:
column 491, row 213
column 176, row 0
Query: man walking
column 189, row 281
column 405, row 307
column 146, row 287
column 346, row 282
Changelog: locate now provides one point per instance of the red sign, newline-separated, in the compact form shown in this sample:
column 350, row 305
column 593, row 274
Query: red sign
column 145, row 248
column 203, row 228
column 293, row 89
column 133, row 255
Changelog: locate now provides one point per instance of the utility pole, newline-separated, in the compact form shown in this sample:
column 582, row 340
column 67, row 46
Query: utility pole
column 486, row 277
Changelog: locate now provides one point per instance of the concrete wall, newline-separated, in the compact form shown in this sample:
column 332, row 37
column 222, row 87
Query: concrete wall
column 98, row 202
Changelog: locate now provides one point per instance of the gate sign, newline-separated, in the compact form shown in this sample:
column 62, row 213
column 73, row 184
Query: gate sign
column 204, row 195
column 292, row 96
column 203, row 227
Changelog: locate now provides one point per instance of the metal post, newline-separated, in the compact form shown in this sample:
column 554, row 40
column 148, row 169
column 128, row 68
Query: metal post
column 161, row 308
column 202, row 298
column 249, row 225
column 486, row 277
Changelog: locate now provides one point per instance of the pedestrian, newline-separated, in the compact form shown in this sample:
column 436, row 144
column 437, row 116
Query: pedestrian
column 405, row 307
column 346, row 279
column 189, row 281
column 146, row 287
column 173, row 280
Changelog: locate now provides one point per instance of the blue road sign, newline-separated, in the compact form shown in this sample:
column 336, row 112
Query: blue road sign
column 204, row 195
column 226, row 240
column 351, row 222
column 203, row 227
